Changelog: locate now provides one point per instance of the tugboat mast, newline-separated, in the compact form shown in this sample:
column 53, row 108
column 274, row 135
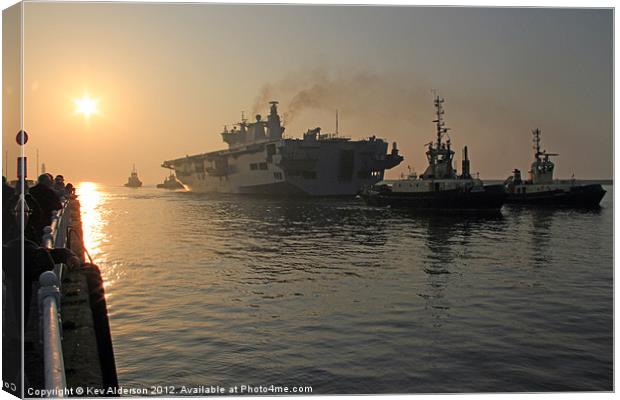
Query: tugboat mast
column 439, row 121
column 440, row 155
column 536, row 133
column 440, row 124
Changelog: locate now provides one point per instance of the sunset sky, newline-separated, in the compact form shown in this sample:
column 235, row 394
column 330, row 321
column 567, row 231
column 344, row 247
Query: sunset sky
column 166, row 78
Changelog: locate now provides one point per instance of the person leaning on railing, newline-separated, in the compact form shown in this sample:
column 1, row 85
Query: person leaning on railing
column 48, row 199
column 59, row 185
column 70, row 191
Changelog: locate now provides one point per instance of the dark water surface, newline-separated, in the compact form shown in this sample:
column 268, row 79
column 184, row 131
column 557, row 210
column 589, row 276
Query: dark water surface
column 346, row 298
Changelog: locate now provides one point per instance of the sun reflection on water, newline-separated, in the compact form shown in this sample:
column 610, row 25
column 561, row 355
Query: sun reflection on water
column 95, row 214
column 92, row 222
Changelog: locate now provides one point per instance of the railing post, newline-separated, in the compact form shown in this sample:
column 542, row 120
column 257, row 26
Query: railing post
column 51, row 333
column 49, row 287
column 60, row 230
column 54, row 223
column 47, row 237
column 50, row 324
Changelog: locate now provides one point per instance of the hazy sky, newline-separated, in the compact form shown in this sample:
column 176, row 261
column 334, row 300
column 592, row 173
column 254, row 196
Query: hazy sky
column 168, row 77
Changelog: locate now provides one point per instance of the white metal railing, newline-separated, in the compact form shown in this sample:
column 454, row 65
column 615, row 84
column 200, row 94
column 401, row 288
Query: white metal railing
column 51, row 334
column 54, row 236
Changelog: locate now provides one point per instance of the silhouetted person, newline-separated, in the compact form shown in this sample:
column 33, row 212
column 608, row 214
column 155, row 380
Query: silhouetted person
column 59, row 185
column 32, row 211
column 6, row 189
column 47, row 198
column 11, row 207
column 9, row 226
column 70, row 190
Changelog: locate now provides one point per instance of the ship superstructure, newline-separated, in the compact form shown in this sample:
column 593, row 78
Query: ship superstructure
column 542, row 189
column 170, row 182
column 439, row 186
column 133, row 180
column 260, row 160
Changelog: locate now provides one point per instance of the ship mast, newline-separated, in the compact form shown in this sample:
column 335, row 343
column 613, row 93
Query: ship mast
column 536, row 133
column 336, row 122
column 439, row 156
column 542, row 167
column 440, row 124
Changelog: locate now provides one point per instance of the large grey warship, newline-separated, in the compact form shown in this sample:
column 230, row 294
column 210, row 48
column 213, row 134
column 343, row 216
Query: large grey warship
column 259, row 160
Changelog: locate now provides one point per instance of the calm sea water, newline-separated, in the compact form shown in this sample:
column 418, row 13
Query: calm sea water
column 346, row 298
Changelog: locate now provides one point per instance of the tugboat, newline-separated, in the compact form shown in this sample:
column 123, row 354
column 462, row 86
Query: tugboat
column 133, row 181
column 439, row 187
column 170, row 183
column 542, row 190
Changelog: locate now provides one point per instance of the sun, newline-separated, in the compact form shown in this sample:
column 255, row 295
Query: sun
column 85, row 106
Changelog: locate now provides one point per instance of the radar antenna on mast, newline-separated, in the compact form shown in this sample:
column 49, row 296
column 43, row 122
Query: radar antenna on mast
column 536, row 133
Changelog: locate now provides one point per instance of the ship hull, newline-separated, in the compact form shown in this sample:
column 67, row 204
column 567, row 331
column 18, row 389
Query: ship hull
column 289, row 188
column 491, row 198
column 169, row 187
column 585, row 196
column 288, row 168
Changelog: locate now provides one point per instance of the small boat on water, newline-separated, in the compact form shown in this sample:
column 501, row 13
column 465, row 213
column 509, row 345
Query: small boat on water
column 133, row 180
column 171, row 182
column 542, row 190
column 439, row 187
